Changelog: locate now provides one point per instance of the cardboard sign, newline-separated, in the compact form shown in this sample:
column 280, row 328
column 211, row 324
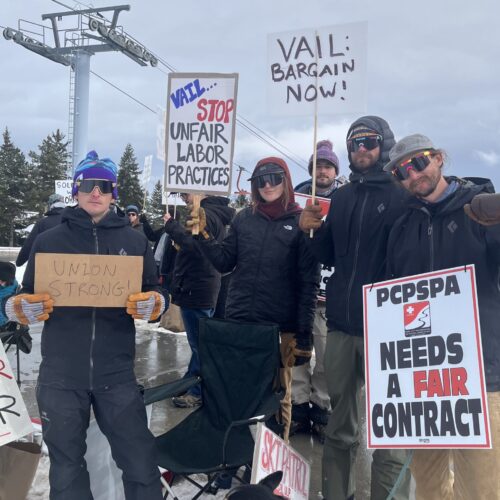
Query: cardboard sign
column 88, row 280
column 324, row 67
column 272, row 454
column 63, row 187
column 14, row 419
column 199, row 135
column 423, row 362
column 326, row 271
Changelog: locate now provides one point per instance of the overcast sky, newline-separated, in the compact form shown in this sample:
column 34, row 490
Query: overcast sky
column 432, row 68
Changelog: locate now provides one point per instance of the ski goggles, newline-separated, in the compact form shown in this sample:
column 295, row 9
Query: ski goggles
column 369, row 142
column 271, row 179
column 88, row 185
column 418, row 162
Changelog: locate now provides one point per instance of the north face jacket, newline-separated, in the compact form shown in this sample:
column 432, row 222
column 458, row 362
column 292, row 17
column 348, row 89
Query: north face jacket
column 438, row 236
column 275, row 277
column 354, row 236
column 89, row 347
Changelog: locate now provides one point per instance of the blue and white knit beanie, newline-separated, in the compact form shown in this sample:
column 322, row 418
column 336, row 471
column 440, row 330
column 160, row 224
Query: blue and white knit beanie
column 94, row 168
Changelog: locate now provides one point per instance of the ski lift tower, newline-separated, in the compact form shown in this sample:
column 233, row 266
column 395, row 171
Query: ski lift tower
column 73, row 47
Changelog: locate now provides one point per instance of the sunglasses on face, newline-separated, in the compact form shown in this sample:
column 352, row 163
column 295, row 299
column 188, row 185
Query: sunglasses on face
column 88, row 185
column 132, row 215
column 418, row 163
column 271, row 179
column 369, row 142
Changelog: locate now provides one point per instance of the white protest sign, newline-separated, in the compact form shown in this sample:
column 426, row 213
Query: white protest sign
column 327, row 65
column 423, row 359
column 146, row 172
column 63, row 187
column 14, row 419
column 199, row 135
column 272, row 454
column 326, row 271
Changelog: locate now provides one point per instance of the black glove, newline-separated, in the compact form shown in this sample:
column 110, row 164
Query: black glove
column 142, row 218
column 302, row 349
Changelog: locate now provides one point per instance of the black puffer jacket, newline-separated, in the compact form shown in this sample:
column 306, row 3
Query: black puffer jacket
column 90, row 347
column 195, row 282
column 52, row 218
column 438, row 236
column 275, row 277
column 354, row 236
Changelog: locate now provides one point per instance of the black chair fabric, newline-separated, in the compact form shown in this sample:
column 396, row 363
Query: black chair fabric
column 239, row 369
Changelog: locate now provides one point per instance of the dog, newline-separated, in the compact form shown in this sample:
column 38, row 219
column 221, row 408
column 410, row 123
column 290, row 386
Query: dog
column 262, row 491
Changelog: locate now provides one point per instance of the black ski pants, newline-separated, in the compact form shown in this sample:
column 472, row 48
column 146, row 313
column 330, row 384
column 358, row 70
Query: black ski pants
column 120, row 413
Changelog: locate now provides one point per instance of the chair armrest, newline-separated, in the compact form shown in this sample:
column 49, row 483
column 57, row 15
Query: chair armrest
column 168, row 390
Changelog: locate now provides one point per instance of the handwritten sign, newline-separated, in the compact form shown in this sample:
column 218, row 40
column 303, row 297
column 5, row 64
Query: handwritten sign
column 272, row 454
column 14, row 419
column 200, row 128
column 88, row 280
column 63, row 187
column 424, row 366
column 324, row 65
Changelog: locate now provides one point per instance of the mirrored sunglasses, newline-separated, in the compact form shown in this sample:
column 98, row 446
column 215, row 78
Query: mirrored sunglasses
column 271, row 179
column 88, row 185
column 418, row 162
column 369, row 142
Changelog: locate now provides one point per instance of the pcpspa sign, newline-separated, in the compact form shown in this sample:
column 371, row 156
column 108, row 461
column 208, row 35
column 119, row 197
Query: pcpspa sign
column 425, row 383
column 199, row 132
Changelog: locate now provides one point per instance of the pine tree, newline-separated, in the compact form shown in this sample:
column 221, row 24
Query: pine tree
column 129, row 186
column 155, row 209
column 14, row 188
column 48, row 165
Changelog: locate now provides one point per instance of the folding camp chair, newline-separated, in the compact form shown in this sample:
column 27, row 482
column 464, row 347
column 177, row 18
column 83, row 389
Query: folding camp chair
column 240, row 386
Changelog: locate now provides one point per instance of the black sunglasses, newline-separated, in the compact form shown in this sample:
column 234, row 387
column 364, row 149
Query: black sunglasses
column 132, row 214
column 88, row 185
column 369, row 142
column 418, row 162
column 272, row 179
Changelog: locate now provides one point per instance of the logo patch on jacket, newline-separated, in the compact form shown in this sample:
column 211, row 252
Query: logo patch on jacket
column 452, row 226
column 288, row 228
column 381, row 208
column 122, row 252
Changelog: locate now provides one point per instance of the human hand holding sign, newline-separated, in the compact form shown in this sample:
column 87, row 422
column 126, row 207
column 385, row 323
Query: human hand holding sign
column 484, row 209
column 310, row 218
column 198, row 219
column 146, row 305
column 28, row 308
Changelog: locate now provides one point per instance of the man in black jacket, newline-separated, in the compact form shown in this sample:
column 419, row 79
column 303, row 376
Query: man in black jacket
column 87, row 352
column 51, row 218
column 436, row 233
column 195, row 282
column 354, row 239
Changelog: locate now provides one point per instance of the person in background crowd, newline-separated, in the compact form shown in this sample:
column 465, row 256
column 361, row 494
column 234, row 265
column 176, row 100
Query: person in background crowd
column 353, row 239
column 275, row 277
column 132, row 212
column 8, row 287
column 311, row 403
column 461, row 224
column 88, row 352
column 195, row 282
column 52, row 217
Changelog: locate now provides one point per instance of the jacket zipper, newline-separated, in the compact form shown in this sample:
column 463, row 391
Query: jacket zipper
column 92, row 338
column 356, row 253
column 259, row 260
column 430, row 233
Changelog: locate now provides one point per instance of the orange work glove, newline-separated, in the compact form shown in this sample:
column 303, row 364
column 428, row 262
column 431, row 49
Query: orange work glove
column 146, row 305
column 29, row 308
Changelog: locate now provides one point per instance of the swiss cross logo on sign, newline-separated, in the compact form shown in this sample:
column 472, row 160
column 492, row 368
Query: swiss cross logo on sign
column 417, row 318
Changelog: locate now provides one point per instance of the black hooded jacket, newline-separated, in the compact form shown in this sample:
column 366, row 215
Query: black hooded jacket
column 52, row 218
column 89, row 347
column 438, row 236
column 354, row 236
column 195, row 282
